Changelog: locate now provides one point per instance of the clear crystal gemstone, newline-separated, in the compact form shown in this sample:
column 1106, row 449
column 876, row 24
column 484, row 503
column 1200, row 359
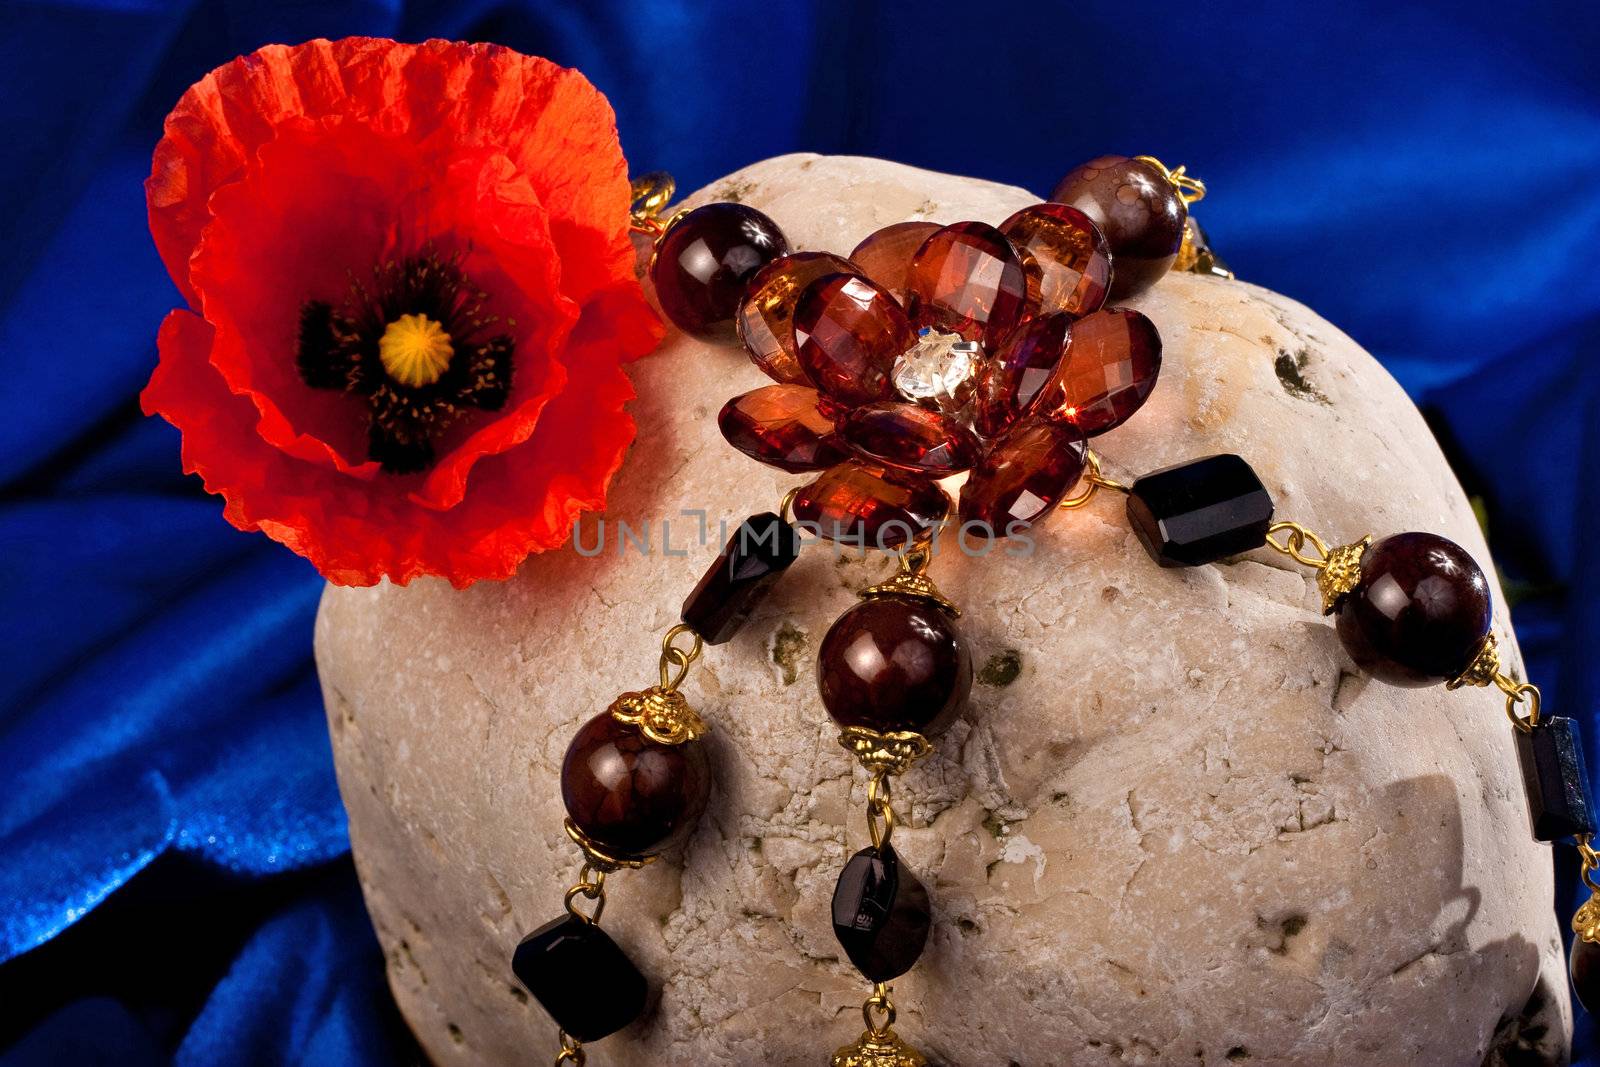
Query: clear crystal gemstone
column 940, row 367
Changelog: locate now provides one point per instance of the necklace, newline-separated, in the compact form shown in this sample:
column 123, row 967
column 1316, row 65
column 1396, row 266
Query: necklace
column 927, row 353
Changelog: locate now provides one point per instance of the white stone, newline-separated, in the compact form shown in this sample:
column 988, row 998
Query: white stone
column 1186, row 832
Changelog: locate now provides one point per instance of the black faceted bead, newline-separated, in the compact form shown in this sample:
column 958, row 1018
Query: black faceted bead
column 880, row 914
column 580, row 976
column 1551, row 755
column 1585, row 966
column 1200, row 512
column 760, row 550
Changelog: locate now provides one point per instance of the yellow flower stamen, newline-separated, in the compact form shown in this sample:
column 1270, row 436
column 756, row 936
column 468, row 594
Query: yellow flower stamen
column 415, row 350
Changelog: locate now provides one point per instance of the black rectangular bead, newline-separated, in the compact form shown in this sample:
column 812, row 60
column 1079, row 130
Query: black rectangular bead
column 1553, row 775
column 760, row 550
column 1201, row 511
column 579, row 975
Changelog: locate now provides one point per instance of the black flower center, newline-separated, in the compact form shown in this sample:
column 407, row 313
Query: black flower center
column 417, row 346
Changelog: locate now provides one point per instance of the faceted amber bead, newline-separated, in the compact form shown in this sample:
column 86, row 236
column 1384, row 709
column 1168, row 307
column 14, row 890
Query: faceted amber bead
column 885, row 255
column 894, row 663
column 910, row 437
column 564, row 962
column 766, row 317
column 629, row 794
column 1113, row 357
column 864, row 504
column 783, row 426
column 1138, row 210
column 848, row 332
column 1066, row 256
column 702, row 262
column 1419, row 613
column 968, row 279
column 1014, row 378
column 880, row 914
column 1025, row 473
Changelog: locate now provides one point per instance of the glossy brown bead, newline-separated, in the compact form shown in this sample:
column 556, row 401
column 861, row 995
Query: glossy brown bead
column 848, row 332
column 630, row 795
column 783, row 426
column 865, row 504
column 1585, row 968
column 894, row 663
column 968, row 279
column 885, row 254
column 1067, row 258
column 909, row 437
column 1012, row 382
column 1419, row 612
column 704, row 260
column 766, row 316
column 1138, row 210
column 1112, row 361
column 1025, row 474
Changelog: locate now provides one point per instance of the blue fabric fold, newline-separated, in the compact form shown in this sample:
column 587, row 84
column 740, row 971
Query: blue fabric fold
column 175, row 884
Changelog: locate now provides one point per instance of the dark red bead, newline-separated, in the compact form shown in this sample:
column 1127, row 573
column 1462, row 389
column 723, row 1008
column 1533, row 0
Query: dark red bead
column 1067, row 258
column 1586, row 974
column 766, row 317
column 894, row 663
column 885, row 254
column 1025, row 473
column 910, row 437
column 1419, row 612
column 1113, row 358
column 968, row 279
column 880, row 914
column 864, row 504
column 630, row 795
column 848, row 332
column 783, row 426
column 1138, row 210
column 703, row 261
column 1013, row 380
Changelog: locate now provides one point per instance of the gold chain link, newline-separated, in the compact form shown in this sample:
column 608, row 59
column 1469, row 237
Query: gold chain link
column 879, row 1004
column 1095, row 480
column 571, row 1051
column 1520, row 693
column 1293, row 545
column 1590, row 860
column 880, row 808
column 674, row 657
column 591, row 884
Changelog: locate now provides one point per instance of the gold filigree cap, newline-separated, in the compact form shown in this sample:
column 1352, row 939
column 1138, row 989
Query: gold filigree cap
column 1586, row 921
column 1341, row 573
column 661, row 714
column 888, row 752
column 884, row 1049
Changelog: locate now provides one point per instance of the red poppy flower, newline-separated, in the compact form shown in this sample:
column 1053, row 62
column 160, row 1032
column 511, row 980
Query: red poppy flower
column 411, row 289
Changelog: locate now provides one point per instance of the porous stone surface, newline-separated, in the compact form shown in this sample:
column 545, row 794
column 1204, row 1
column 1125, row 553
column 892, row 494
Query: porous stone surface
column 1174, row 827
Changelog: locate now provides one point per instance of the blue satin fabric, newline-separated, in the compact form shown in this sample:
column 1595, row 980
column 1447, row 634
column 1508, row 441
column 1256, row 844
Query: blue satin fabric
column 174, row 878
